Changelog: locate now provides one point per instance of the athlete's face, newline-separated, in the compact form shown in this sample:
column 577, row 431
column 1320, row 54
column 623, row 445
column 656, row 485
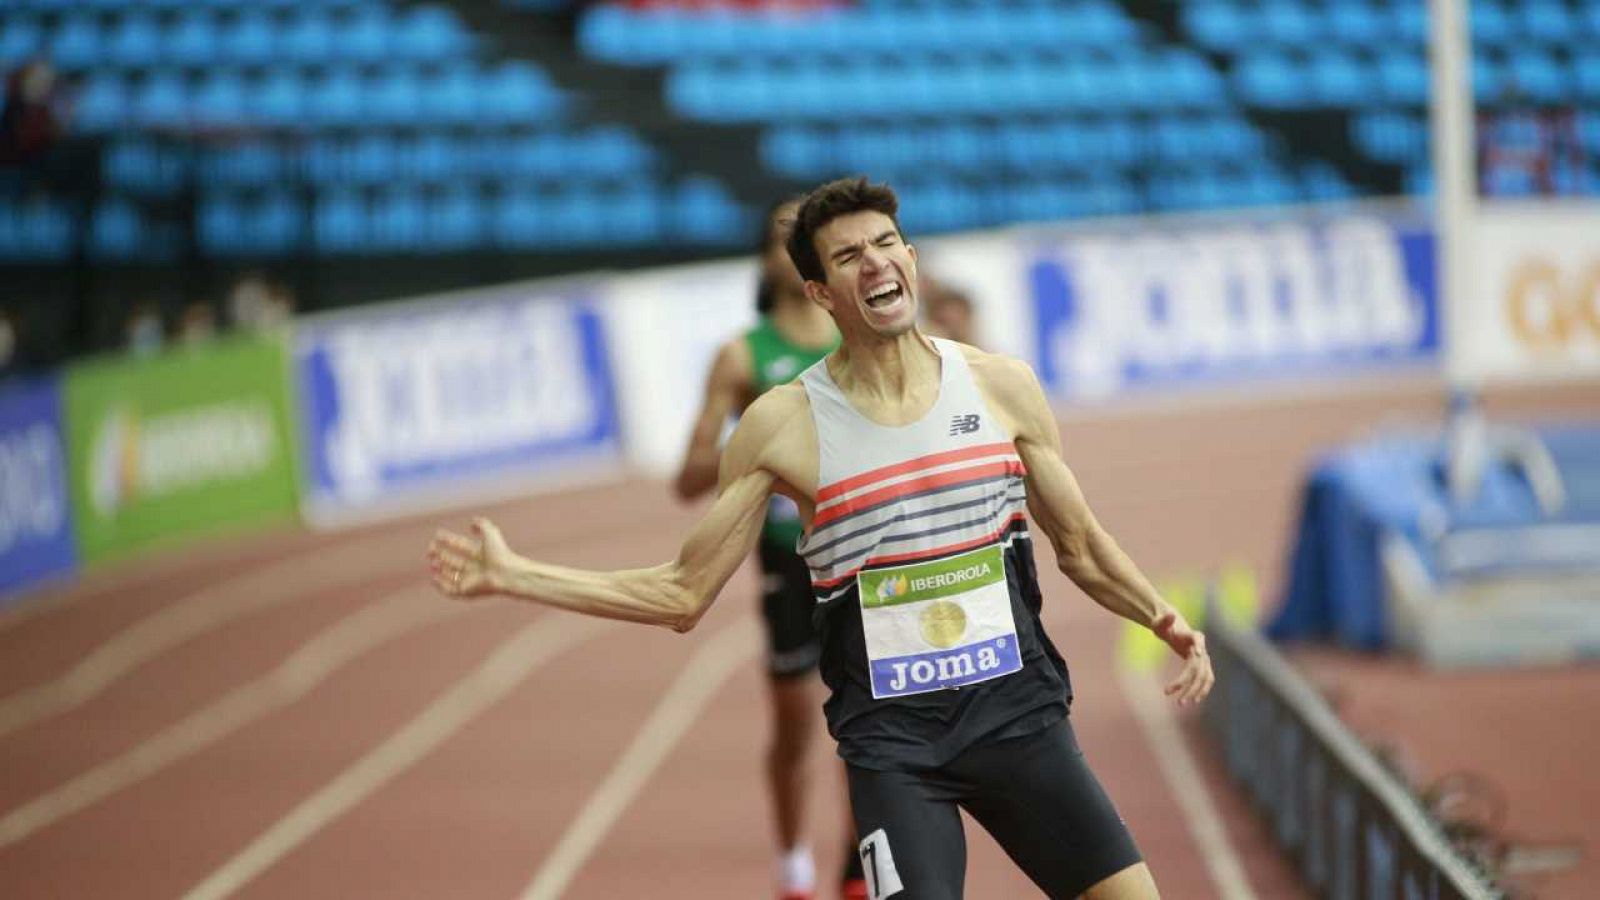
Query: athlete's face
column 775, row 262
column 871, row 274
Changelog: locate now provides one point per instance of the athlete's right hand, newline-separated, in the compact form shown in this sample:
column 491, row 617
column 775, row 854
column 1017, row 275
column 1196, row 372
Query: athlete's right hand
column 466, row 566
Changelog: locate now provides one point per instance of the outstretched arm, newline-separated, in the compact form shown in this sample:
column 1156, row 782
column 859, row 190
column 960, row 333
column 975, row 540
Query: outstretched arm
column 727, row 387
column 674, row 594
column 1085, row 551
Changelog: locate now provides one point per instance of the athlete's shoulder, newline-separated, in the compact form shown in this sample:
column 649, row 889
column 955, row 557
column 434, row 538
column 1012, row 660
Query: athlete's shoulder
column 1011, row 389
column 734, row 362
column 775, row 434
column 996, row 372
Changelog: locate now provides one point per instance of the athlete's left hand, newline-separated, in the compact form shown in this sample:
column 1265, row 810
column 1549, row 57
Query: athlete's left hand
column 1194, row 682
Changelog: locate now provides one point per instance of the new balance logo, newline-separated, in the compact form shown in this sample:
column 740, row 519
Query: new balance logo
column 963, row 424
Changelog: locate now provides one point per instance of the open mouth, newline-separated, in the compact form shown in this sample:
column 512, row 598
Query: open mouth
column 884, row 296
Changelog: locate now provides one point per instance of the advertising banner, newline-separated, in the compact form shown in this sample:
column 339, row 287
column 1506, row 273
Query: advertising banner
column 1531, row 309
column 666, row 326
column 35, row 515
column 1167, row 304
column 408, row 405
column 179, row 444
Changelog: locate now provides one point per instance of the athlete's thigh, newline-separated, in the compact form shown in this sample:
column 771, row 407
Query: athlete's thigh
column 912, row 846
column 787, row 605
column 1038, row 798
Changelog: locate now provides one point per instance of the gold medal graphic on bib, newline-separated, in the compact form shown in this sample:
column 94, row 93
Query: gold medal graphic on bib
column 943, row 624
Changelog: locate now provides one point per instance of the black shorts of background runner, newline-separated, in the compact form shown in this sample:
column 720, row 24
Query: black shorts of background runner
column 787, row 607
column 1034, row 794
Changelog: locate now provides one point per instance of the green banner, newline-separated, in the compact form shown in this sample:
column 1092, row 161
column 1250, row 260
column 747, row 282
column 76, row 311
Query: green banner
column 186, row 443
column 926, row 581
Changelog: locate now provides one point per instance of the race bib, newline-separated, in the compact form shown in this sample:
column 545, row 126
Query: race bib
column 936, row 625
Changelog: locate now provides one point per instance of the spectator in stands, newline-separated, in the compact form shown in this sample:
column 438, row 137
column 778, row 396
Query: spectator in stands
column 10, row 343
column 29, row 123
column 197, row 324
column 257, row 302
column 142, row 331
column 1525, row 149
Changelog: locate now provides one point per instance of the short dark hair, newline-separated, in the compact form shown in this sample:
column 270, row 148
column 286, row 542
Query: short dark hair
column 829, row 202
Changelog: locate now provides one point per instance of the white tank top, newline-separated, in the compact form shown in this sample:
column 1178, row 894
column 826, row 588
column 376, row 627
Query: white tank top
column 950, row 481
column 917, row 519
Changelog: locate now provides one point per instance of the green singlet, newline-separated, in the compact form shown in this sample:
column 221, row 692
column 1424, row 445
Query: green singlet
column 776, row 361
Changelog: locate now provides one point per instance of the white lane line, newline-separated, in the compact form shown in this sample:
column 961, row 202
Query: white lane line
column 510, row 664
column 312, row 663
column 1153, row 710
column 202, row 611
column 711, row 665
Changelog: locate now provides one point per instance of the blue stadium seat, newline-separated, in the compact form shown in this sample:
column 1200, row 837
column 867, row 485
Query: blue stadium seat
column 1403, row 77
column 1288, row 23
column 373, row 159
column 519, row 219
column 451, row 97
column 704, row 212
column 393, row 96
column 309, row 38
column 1390, row 137
column 429, row 33
column 517, row 92
column 76, row 43
column 1408, row 22
column 365, row 36
column 339, row 222
column 134, row 41
column 1488, row 77
column 636, row 213
column 455, row 219
column 117, row 230
column 251, row 165
column 432, row 158
column 251, row 39
column 1492, row 25
column 335, row 98
column 161, row 101
column 1321, row 182
column 279, row 98
column 102, row 104
column 398, row 220
column 1549, row 21
column 1586, row 65
column 193, row 40
column 1538, row 75
column 37, row 230
column 1270, row 79
column 1218, row 24
column 1339, row 79
column 20, row 38
column 220, row 99
column 1357, row 23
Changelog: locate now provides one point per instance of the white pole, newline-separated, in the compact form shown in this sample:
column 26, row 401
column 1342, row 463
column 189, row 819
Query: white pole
column 1455, row 182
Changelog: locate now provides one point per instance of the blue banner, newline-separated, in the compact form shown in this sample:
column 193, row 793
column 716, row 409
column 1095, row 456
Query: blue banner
column 397, row 402
column 35, row 512
column 1185, row 305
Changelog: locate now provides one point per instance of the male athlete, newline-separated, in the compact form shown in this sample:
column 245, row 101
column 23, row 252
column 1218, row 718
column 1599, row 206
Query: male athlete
column 912, row 461
column 793, row 334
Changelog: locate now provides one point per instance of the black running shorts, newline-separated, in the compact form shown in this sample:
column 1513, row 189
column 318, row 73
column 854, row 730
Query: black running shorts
column 1034, row 794
column 786, row 606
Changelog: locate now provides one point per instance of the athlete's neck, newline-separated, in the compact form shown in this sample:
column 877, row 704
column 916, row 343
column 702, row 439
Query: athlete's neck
column 802, row 322
column 899, row 370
